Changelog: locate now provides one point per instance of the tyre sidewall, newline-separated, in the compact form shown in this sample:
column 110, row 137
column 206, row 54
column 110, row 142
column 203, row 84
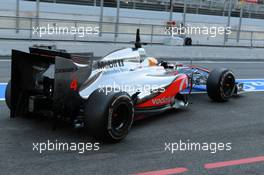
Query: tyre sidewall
column 117, row 100
column 98, row 114
column 221, row 82
column 215, row 84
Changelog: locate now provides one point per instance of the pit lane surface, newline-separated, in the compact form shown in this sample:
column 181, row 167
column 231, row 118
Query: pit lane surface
column 240, row 121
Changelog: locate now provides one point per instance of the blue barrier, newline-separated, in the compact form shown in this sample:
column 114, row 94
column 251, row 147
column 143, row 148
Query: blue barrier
column 250, row 85
column 2, row 90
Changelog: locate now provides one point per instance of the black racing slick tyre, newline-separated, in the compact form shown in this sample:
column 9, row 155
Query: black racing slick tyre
column 8, row 95
column 109, row 116
column 220, row 85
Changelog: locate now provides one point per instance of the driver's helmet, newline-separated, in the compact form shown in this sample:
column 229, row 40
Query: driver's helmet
column 150, row 61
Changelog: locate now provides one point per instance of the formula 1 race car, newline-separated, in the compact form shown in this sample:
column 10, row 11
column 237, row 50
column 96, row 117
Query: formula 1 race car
column 105, row 95
column 177, row 41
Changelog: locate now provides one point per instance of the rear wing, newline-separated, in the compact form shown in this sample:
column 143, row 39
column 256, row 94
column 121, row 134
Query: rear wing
column 54, row 74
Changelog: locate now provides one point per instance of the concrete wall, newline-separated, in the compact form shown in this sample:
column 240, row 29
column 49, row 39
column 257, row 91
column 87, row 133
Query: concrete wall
column 77, row 12
column 137, row 17
column 62, row 11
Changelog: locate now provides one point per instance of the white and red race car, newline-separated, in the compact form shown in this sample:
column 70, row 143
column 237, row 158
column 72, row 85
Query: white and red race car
column 106, row 95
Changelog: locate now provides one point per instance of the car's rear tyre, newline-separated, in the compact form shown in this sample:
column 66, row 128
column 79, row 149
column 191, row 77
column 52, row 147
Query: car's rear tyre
column 220, row 85
column 109, row 116
column 8, row 95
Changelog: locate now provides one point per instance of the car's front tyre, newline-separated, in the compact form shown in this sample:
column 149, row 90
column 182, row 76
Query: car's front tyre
column 220, row 85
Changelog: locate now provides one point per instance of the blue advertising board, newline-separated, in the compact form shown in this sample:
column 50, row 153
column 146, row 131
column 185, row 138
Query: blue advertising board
column 250, row 85
column 2, row 90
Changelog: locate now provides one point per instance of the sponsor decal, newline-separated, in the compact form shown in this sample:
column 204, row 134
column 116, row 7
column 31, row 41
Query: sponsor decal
column 164, row 100
column 110, row 64
column 183, row 84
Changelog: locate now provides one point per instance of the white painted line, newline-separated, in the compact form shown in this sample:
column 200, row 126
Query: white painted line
column 254, row 91
column 5, row 60
column 3, row 83
column 251, row 79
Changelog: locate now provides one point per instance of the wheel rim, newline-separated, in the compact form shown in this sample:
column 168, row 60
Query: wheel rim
column 228, row 85
column 120, row 118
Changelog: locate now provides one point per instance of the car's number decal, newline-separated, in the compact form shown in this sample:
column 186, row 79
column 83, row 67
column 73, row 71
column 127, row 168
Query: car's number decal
column 74, row 85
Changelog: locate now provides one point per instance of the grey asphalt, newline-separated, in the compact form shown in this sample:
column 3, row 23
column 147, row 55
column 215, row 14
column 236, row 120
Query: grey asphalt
column 240, row 122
